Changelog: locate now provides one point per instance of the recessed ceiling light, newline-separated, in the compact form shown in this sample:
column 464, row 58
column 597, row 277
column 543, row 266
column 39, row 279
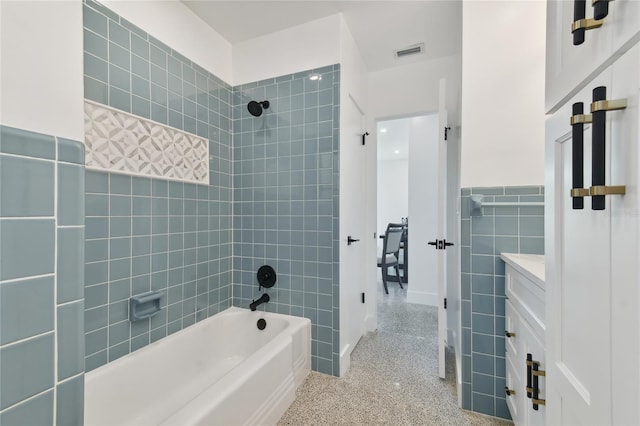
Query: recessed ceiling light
column 397, row 151
column 383, row 130
column 315, row 77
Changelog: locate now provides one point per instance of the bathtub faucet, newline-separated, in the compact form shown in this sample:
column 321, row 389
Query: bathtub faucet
column 263, row 299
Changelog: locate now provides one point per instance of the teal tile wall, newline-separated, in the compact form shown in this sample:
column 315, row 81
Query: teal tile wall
column 149, row 234
column 511, row 229
column 286, row 190
column 40, row 305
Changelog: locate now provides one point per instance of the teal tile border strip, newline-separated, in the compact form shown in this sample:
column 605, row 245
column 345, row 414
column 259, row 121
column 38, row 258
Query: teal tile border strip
column 120, row 142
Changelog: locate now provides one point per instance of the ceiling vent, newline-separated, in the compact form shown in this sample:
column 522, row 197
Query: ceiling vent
column 411, row 50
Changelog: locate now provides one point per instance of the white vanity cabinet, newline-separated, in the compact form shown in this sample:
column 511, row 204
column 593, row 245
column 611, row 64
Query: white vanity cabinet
column 569, row 67
column 525, row 337
column 592, row 295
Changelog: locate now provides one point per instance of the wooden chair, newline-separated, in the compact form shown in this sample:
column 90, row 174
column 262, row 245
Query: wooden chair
column 390, row 249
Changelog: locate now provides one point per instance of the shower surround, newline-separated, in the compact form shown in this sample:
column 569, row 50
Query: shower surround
column 271, row 198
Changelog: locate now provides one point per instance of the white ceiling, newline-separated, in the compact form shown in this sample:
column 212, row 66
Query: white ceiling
column 378, row 27
column 393, row 144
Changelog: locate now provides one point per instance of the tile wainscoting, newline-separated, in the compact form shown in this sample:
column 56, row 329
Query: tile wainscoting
column 513, row 229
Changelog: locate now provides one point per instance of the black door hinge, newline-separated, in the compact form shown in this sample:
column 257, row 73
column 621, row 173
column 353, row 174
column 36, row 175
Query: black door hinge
column 445, row 303
column 446, row 132
column 362, row 297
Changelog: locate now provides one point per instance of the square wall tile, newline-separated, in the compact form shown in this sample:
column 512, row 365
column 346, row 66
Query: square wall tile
column 70, row 340
column 26, row 308
column 27, row 248
column 27, row 369
column 26, row 187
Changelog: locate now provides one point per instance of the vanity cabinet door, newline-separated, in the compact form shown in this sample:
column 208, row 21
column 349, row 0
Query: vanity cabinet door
column 532, row 413
column 515, row 379
column 578, row 278
column 625, row 214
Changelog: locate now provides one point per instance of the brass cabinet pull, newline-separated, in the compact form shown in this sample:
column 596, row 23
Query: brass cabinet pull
column 602, row 190
column 606, row 105
column 509, row 391
column 586, row 24
column 580, row 192
column 509, row 334
column 539, row 402
column 580, row 118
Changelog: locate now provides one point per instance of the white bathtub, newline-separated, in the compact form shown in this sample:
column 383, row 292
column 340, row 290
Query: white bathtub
column 220, row 371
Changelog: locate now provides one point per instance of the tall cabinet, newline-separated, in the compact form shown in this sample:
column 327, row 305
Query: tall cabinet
column 591, row 213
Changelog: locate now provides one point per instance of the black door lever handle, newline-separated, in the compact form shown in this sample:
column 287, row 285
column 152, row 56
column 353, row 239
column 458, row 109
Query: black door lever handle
column 432, row 243
column 351, row 240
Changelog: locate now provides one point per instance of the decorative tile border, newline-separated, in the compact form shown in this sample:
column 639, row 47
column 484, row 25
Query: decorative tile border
column 120, row 142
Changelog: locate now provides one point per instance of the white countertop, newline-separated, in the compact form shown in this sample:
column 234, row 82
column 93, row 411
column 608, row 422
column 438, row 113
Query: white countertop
column 530, row 265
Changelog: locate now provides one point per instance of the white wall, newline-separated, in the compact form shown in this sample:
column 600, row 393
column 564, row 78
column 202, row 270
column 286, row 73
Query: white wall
column 412, row 89
column 423, row 210
column 177, row 26
column 393, row 192
column 303, row 47
column 503, row 67
column 41, row 60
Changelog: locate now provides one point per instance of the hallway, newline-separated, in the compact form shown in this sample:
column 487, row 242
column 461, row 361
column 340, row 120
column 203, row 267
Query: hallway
column 393, row 377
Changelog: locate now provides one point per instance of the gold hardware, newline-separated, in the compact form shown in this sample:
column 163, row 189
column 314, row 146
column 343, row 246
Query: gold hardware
column 586, row 24
column 509, row 391
column 607, row 190
column 509, row 334
column 539, row 401
column 606, row 105
column 539, row 373
column 580, row 192
column 528, row 389
column 581, row 119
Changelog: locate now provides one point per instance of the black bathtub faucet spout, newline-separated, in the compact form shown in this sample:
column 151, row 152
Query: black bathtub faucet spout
column 263, row 299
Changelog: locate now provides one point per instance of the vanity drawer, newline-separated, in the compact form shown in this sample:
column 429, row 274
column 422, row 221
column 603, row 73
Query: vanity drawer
column 527, row 298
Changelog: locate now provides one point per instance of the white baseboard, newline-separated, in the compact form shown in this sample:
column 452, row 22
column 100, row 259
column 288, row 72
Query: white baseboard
column 345, row 360
column 422, row 298
column 370, row 323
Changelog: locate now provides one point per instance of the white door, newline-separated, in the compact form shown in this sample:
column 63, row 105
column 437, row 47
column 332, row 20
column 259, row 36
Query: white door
column 352, row 227
column 578, row 271
column 442, row 226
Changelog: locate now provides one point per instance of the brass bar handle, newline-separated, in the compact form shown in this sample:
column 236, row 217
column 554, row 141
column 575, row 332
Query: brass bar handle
column 508, row 391
column 585, row 24
column 597, row 191
column 577, row 155
column 509, row 334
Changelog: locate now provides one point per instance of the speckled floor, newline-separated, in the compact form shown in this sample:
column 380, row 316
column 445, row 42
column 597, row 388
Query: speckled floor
column 393, row 378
